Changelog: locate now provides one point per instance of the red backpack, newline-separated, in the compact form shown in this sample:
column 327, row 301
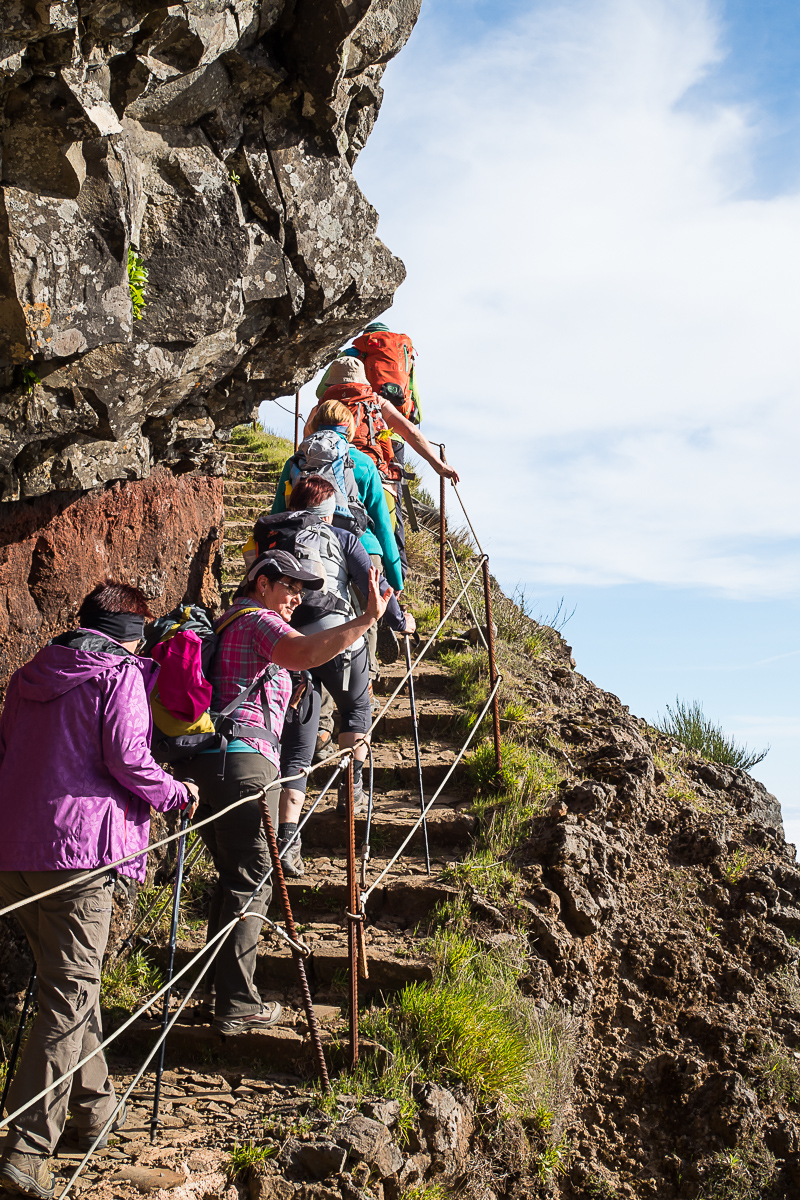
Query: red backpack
column 388, row 361
column 372, row 433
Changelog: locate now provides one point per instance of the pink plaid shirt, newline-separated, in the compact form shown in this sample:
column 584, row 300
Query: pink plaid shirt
column 245, row 650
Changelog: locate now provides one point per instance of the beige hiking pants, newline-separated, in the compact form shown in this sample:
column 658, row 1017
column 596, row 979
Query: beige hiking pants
column 67, row 934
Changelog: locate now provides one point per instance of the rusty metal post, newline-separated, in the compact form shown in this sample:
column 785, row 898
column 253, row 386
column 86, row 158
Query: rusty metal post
column 442, row 541
column 487, row 599
column 352, row 916
column 280, row 882
column 296, row 420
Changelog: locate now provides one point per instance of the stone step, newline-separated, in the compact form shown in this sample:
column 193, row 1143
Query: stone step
column 235, row 489
column 450, row 830
column 435, row 716
column 258, row 478
column 430, row 677
column 250, row 457
column 284, row 1049
column 248, row 513
column 392, row 963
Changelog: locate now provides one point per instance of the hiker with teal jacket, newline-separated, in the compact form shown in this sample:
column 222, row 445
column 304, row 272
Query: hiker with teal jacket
column 378, row 540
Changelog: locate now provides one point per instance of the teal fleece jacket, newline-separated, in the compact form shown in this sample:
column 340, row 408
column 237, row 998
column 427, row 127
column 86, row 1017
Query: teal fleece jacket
column 370, row 489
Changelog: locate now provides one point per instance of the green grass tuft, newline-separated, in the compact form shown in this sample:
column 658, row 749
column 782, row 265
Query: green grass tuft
column 126, row 983
column 687, row 724
column 247, row 1157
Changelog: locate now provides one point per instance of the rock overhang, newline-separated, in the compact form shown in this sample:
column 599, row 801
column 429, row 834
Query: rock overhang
column 216, row 138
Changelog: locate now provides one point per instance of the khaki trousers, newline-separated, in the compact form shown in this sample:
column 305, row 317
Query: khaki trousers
column 67, row 935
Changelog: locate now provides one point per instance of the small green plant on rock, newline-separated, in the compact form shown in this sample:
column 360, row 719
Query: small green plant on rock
column 426, row 1191
column 247, row 1157
column 29, row 380
column 736, row 866
column 687, row 724
column 743, row 1173
column 553, row 1160
column 125, row 984
column 137, row 282
column 777, row 1078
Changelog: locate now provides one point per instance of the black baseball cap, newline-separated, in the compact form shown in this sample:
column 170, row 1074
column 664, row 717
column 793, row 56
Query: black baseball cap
column 284, row 564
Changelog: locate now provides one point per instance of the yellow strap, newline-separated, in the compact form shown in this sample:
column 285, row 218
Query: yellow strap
column 239, row 612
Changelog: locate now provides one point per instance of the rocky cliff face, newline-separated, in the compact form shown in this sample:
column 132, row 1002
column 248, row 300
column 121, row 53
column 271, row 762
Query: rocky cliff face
column 162, row 535
column 216, row 138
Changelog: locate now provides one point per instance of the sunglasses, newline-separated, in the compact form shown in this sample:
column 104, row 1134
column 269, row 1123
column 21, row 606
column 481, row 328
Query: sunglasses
column 292, row 586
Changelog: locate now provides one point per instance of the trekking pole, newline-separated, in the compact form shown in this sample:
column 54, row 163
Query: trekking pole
column 173, row 939
column 130, row 940
column 12, row 1062
column 415, row 727
column 296, row 420
column 442, row 540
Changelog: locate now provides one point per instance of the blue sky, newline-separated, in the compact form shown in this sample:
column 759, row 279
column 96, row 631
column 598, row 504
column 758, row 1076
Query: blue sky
column 599, row 210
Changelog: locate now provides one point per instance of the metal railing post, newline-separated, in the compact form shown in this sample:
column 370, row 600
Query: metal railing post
column 487, row 599
column 296, row 420
column 352, row 917
column 442, row 541
column 280, row 883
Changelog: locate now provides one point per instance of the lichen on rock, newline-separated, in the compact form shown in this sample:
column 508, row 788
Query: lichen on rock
column 216, row 138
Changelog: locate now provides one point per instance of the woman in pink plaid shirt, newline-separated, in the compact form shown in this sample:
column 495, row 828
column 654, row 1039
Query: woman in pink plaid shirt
column 254, row 645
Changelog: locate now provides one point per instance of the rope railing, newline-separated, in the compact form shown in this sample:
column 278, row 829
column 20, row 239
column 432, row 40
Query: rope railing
column 344, row 757
column 366, row 895
column 218, row 938
column 112, row 1037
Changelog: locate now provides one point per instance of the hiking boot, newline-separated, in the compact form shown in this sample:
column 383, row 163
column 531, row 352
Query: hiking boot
column 86, row 1139
column 270, row 1015
column 325, row 746
column 291, row 861
column 27, row 1173
column 360, row 800
column 388, row 645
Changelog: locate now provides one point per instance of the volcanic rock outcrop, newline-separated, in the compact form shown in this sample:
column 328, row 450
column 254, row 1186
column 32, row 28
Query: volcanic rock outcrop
column 215, row 138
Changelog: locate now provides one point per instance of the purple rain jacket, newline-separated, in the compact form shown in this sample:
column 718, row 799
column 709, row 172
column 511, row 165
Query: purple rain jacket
column 77, row 778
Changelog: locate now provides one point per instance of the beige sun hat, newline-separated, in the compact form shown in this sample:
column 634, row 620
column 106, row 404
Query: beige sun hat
column 347, row 369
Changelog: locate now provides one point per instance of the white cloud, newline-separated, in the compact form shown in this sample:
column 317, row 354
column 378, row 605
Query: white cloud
column 607, row 324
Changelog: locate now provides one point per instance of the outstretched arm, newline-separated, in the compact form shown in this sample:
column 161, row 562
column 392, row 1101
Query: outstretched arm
column 299, row 652
column 411, row 434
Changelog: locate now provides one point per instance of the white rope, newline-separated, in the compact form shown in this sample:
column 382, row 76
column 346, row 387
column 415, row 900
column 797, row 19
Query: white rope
column 97, row 871
column 365, row 895
column 221, row 934
column 179, row 974
column 471, row 526
column 422, row 652
column 218, row 937
column 478, row 625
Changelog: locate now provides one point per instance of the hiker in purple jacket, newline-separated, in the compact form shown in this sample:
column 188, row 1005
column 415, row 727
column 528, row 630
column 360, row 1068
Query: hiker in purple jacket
column 77, row 781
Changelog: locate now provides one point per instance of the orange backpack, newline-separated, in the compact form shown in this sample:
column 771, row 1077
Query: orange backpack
column 388, row 361
column 372, row 433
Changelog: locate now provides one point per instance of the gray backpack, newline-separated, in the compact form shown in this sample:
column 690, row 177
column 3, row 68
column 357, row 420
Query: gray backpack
column 326, row 454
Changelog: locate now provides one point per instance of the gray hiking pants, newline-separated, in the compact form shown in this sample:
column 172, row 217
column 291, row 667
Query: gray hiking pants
column 67, row 935
column 238, row 846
